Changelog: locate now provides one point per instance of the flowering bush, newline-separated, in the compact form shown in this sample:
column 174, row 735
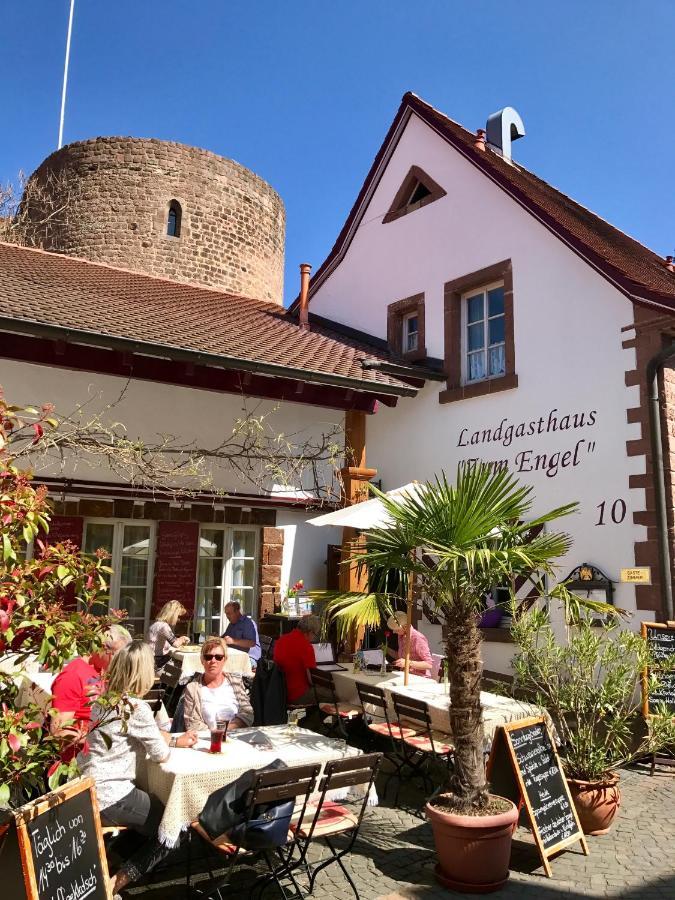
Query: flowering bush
column 297, row 587
column 51, row 606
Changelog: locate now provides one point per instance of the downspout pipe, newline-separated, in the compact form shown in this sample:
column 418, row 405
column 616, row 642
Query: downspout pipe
column 659, row 475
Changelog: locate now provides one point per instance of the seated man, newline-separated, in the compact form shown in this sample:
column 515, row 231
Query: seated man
column 242, row 632
column 294, row 654
column 420, row 654
column 76, row 687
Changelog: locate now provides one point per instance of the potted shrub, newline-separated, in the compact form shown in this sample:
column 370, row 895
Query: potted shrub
column 458, row 541
column 590, row 685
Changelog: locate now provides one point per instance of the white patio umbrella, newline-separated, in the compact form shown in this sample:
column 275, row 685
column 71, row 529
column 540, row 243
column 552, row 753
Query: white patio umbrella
column 372, row 514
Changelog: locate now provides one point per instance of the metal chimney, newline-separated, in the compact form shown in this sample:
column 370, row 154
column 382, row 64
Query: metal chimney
column 503, row 128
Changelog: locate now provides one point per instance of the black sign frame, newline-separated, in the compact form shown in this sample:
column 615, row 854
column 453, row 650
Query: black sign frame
column 517, row 791
column 663, row 626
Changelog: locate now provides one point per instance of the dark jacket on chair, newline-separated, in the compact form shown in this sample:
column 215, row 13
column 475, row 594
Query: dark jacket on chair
column 268, row 695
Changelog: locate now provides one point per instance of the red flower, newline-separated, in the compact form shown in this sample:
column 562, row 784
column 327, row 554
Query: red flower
column 387, row 634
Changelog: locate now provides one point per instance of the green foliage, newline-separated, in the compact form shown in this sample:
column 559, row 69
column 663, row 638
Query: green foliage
column 590, row 685
column 52, row 607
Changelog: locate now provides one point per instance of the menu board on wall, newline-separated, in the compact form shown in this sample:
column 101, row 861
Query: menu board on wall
column 660, row 687
column 524, row 767
column 54, row 850
column 176, row 563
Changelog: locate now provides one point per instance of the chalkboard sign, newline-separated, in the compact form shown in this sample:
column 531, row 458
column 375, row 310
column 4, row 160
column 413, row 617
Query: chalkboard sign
column 661, row 641
column 524, row 767
column 176, row 563
column 60, row 848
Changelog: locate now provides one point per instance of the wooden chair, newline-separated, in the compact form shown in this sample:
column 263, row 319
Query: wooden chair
column 382, row 728
column 327, row 701
column 327, row 819
column 169, row 679
column 155, row 698
column 424, row 745
column 294, row 783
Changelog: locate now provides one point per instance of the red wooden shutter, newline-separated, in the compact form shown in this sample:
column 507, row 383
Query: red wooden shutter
column 176, row 564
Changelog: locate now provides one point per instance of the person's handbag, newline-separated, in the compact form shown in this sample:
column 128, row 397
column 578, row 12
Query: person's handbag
column 226, row 809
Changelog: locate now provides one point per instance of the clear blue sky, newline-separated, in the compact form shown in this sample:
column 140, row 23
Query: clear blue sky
column 303, row 91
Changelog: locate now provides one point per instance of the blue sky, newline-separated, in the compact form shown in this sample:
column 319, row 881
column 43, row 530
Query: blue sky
column 303, row 91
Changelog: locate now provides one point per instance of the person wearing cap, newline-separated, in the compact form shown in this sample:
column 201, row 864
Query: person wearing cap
column 420, row 654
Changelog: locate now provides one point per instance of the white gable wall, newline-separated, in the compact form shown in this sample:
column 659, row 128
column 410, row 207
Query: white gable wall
column 567, row 322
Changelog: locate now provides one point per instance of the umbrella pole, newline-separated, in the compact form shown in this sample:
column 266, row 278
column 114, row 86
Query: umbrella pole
column 409, row 611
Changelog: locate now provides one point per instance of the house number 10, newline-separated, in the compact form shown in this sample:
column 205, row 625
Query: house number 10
column 617, row 513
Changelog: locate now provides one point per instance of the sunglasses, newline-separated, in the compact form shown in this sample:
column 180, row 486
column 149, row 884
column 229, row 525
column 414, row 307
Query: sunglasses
column 209, row 656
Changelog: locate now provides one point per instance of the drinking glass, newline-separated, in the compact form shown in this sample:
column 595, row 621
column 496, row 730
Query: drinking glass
column 218, row 734
column 293, row 718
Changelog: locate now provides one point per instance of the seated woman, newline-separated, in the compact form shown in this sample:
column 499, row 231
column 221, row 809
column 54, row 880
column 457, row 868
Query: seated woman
column 420, row 654
column 112, row 764
column 160, row 634
column 216, row 692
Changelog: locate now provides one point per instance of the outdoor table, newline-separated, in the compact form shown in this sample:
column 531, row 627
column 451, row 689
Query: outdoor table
column 238, row 661
column 184, row 782
column 497, row 710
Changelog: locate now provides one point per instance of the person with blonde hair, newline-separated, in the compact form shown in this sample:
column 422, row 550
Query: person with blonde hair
column 160, row 634
column 115, row 744
column 216, row 693
column 420, row 655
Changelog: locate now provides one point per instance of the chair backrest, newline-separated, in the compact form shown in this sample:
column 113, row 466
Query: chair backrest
column 170, row 674
column 437, row 666
column 374, row 697
column 154, row 698
column 410, row 711
column 341, row 774
column 322, row 681
column 266, row 644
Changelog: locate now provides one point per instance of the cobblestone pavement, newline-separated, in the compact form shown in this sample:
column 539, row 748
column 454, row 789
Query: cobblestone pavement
column 393, row 858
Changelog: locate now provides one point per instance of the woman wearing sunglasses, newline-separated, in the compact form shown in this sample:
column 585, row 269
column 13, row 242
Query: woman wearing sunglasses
column 216, row 693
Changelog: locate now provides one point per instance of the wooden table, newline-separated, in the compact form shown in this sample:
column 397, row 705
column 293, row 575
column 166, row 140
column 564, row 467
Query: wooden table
column 497, row 710
column 184, row 782
column 237, row 662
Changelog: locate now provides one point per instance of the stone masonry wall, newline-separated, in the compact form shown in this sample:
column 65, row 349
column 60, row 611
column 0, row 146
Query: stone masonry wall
column 271, row 558
column 117, row 192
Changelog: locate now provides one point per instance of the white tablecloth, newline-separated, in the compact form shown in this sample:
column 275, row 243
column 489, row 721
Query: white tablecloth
column 497, row 710
column 238, row 661
column 184, row 782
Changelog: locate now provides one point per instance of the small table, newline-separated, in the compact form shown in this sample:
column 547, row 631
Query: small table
column 497, row 710
column 237, row 662
column 184, row 782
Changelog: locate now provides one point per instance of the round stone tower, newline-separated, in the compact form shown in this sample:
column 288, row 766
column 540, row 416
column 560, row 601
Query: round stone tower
column 165, row 209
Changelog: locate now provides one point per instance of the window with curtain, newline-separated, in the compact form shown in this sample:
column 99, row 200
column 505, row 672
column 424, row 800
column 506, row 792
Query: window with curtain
column 485, row 343
column 227, row 571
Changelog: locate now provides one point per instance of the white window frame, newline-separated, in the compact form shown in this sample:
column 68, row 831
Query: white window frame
column 115, row 561
column 414, row 314
column 483, row 289
column 226, row 583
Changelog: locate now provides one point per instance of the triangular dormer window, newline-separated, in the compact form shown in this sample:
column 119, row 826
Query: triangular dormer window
column 417, row 190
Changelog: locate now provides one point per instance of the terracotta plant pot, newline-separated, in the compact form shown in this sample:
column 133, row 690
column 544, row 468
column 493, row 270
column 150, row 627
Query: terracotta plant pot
column 596, row 802
column 473, row 851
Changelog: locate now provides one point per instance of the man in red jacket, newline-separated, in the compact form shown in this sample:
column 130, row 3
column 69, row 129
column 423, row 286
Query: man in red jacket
column 294, row 654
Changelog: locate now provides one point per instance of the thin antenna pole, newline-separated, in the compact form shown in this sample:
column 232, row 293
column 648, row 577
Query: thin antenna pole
column 65, row 73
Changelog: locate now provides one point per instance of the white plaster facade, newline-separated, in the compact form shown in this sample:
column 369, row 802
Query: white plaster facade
column 568, row 354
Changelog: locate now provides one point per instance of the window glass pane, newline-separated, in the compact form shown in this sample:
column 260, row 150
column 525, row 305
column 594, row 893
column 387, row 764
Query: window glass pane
column 476, row 366
column 411, row 325
column 475, row 338
column 211, row 542
column 98, row 534
column 133, row 600
column 497, row 361
column 171, row 224
column 243, row 572
column 245, row 597
column 243, row 543
column 474, row 307
column 210, row 572
column 496, row 330
column 134, row 572
column 496, row 301
column 136, row 541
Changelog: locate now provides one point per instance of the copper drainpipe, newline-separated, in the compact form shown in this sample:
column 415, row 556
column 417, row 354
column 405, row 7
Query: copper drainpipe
column 305, row 269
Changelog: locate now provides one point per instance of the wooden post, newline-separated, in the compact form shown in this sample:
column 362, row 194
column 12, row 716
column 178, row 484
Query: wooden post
column 410, row 599
column 355, row 477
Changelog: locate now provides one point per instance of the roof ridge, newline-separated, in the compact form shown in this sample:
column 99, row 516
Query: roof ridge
column 139, row 274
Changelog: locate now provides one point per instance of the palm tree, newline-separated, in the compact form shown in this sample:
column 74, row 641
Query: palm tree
column 458, row 542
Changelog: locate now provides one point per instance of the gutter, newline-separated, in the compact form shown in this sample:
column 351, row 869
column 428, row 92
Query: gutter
column 132, row 345
column 653, row 367
column 400, row 371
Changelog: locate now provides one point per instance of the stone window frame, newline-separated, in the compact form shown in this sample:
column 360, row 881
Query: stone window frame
column 397, row 312
column 415, row 175
column 454, row 298
column 161, row 220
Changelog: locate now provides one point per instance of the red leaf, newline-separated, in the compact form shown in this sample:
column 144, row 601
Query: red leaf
column 14, row 742
column 4, row 620
column 39, row 431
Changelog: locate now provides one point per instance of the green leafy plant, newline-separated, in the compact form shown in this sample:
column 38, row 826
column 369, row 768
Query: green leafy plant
column 457, row 541
column 52, row 607
column 589, row 682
